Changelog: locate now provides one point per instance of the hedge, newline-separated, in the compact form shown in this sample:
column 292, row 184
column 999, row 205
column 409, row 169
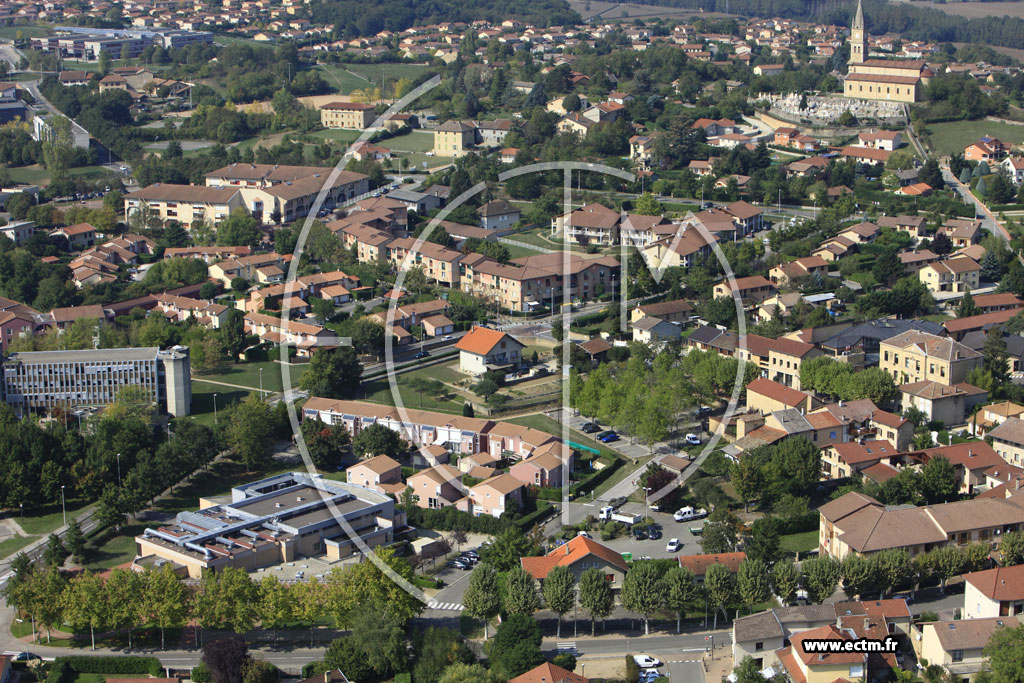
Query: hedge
column 88, row 664
column 793, row 525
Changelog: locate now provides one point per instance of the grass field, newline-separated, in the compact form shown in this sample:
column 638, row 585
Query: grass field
column 418, row 141
column 248, row 374
column 974, row 10
column 48, row 518
column 37, row 175
column 379, row 390
column 338, row 135
column 14, row 544
column 953, row 136
column 348, row 77
column 799, row 543
column 11, row 32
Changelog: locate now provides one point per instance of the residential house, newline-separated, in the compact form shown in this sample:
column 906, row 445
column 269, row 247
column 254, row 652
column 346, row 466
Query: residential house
column 437, row 487
column 753, row 289
column 380, row 473
column 767, row 396
column 943, row 403
column 997, row 592
column 551, row 468
column 809, row 266
column 549, row 673
column 454, row 138
column 699, row 564
column 1008, row 437
column 888, row 140
column 759, row 636
column 916, row 356
column 841, row 460
column 650, row 330
column 811, row 667
column 493, row 496
column 785, row 358
column 590, row 224
column 986, row 149
column 676, row 311
column 482, row 349
column 958, row 646
column 915, row 226
column 579, row 554
column 1014, row 168
column 958, row 274
column 962, row 232
column 856, row 523
column 350, row 115
column 498, row 215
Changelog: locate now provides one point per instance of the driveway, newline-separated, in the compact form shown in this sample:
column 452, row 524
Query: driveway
column 989, row 221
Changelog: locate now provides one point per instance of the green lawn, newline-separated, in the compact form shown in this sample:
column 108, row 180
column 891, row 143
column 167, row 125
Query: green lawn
column 11, row 32
column 418, row 141
column 50, row 517
column 519, row 252
column 953, row 136
column 248, row 374
column 799, row 543
column 14, row 544
column 37, row 175
column 379, row 391
column 338, row 135
column 348, row 77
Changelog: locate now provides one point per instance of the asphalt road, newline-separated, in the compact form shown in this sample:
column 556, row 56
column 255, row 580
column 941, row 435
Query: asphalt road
column 989, row 221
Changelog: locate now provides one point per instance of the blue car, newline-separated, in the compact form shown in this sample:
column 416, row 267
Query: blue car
column 611, row 436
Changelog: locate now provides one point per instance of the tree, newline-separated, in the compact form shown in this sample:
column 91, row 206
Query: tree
column 680, row 590
column 85, row 605
column 720, row 586
column 516, row 646
column 595, row 596
column 58, row 147
column 896, row 568
column 981, row 187
column 571, row 103
column 233, row 334
column 257, row 670
column 752, row 582
column 228, row 599
column 166, row 600
column 643, row 592
column 785, row 581
column 225, row 658
column 860, row 575
column 719, row 535
column 764, row 543
column 324, row 443
column 308, row 597
column 991, row 267
column 942, row 244
column 820, row 577
column 482, row 599
column 505, row 550
column 1011, row 548
column 333, row 373
column 520, row 592
column 103, row 63
column 378, row 440
column 345, row 654
column 438, row 649
column 994, row 356
column 125, row 592
column 379, row 635
column 238, row 229
column 45, row 603
column 469, row 673
column 559, row 593
column 747, row 476
column 55, row 553
column 966, row 308
column 75, row 541
column 276, row 605
column 946, row 562
column 938, row 480
column 647, row 205
column 250, row 431
column 1005, row 653
column 887, row 267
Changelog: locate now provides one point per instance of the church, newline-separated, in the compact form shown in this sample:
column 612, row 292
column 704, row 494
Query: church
column 896, row 80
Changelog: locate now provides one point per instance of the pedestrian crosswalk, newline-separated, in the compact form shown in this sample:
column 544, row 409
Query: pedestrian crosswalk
column 450, row 606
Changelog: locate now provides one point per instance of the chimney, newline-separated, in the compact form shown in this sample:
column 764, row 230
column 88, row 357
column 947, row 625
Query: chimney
column 867, row 623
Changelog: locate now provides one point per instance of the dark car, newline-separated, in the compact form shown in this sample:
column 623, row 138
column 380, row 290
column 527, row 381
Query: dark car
column 422, row 354
column 609, row 437
column 457, row 564
column 653, row 533
column 590, row 428
column 639, row 533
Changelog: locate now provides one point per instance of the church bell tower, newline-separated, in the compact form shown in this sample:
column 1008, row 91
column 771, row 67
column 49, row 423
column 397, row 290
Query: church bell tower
column 858, row 38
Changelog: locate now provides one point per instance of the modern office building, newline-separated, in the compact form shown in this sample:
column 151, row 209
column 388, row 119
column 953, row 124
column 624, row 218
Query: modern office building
column 42, row 380
column 274, row 520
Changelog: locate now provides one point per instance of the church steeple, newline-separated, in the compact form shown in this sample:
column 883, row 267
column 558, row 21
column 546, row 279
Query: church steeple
column 858, row 37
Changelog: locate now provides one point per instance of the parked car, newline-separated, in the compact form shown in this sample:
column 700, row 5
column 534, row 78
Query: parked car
column 673, row 545
column 584, row 534
column 609, row 437
column 421, row 354
column 688, row 513
column 639, row 533
column 653, row 533
column 447, row 337
column 457, row 564
column 646, row 661
column 590, row 428
column 693, row 439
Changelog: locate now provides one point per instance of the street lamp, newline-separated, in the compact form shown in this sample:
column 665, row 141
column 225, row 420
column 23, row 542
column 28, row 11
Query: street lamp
column 647, row 507
column 118, row 469
column 215, row 408
column 63, row 509
column 261, row 382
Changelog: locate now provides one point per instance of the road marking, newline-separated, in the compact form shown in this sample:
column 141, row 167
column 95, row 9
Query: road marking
column 449, row 606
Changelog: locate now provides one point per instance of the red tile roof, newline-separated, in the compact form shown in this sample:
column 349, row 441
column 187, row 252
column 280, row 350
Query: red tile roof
column 570, row 553
column 482, row 340
column 699, row 564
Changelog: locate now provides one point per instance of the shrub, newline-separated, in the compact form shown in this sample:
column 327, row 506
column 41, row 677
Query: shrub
column 86, row 664
column 632, row 670
column 200, row 673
